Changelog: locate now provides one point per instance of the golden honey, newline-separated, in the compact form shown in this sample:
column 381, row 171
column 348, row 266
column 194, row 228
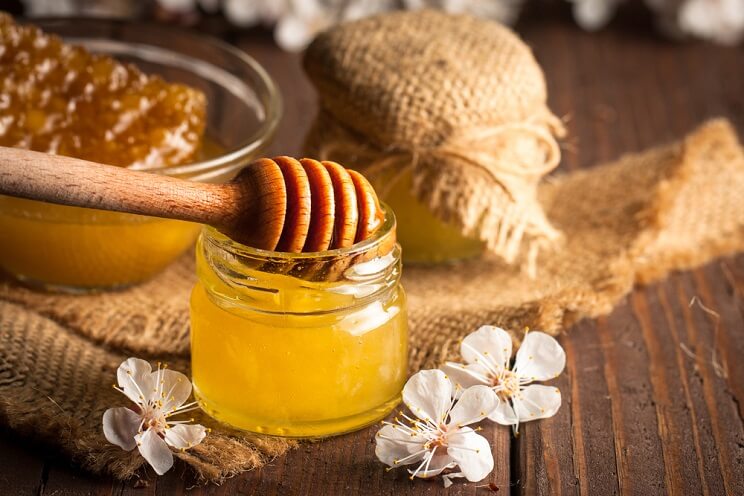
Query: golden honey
column 71, row 249
column 424, row 238
column 61, row 99
column 67, row 248
column 298, row 345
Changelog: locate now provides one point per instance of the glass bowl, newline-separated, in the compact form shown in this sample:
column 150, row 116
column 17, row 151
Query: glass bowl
column 72, row 249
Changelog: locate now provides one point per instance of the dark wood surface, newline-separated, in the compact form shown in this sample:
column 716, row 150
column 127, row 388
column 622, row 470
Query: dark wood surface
column 653, row 393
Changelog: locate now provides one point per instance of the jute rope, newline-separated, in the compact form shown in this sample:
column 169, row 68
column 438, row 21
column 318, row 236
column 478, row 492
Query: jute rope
column 522, row 214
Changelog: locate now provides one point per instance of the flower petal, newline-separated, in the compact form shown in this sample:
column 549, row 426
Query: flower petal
column 475, row 404
column 133, row 376
column 504, row 414
column 120, row 425
column 472, row 453
column 447, row 478
column 463, row 376
column 184, row 436
column 592, row 15
column 489, row 343
column 438, row 464
column 393, row 444
column 540, row 357
column 175, row 389
column 428, row 394
column 537, row 401
column 153, row 449
column 241, row 13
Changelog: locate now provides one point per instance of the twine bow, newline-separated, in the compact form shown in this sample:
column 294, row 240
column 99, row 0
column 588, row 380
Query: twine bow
column 512, row 165
column 467, row 147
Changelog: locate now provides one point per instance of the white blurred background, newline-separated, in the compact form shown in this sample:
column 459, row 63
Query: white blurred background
column 295, row 22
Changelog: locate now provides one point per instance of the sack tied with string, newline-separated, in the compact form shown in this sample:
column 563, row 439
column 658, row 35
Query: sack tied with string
column 457, row 102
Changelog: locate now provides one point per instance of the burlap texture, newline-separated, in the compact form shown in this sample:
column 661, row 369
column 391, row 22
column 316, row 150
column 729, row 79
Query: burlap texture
column 630, row 221
column 459, row 101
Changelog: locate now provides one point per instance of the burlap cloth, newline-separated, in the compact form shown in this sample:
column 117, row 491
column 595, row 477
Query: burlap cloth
column 630, row 221
column 458, row 102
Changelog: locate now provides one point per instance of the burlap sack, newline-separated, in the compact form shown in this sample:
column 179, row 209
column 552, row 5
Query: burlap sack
column 458, row 101
column 630, row 221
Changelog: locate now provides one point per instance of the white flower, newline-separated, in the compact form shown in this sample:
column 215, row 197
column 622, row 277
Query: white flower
column 304, row 19
column 719, row 20
column 250, row 13
column 438, row 438
column 592, row 15
column 158, row 395
column 487, row 352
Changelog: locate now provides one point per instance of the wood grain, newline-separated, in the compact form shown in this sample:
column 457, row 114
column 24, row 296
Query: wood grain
column 653, row 393
column 647, row 412
column 81, row 183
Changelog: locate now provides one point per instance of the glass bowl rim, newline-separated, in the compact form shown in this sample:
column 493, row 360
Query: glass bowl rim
column 273, row 109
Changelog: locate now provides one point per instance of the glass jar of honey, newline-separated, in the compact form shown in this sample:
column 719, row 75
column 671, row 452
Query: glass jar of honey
column 299, row 345
column 71, row 249
column 425, row 238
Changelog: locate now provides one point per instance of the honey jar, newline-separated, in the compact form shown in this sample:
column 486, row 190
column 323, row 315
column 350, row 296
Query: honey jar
column 447, row 117
column 299, row 344
column 426, row 238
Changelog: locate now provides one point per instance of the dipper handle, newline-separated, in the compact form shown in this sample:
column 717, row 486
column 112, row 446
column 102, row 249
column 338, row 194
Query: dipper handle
column 278, row 204
column 80, row 183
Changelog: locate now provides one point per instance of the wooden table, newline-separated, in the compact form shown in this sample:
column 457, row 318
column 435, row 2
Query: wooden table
column 653, row 393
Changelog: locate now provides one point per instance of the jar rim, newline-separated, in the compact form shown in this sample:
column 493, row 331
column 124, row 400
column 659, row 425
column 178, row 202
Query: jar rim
column 386, row 233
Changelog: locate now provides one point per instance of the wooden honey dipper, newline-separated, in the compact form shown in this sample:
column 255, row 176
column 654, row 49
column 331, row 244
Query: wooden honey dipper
column 280, row 204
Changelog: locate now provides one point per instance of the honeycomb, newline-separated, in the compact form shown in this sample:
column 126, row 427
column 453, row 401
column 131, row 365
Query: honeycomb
column 62, row 99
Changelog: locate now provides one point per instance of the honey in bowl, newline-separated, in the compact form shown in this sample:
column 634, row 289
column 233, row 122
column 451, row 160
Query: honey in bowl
column 61, row 99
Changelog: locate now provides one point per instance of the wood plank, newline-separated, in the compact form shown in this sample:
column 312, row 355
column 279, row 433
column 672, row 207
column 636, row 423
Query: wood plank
column 347, row 465
column 669, row 441
column 678, row 304
column 646, row 409
column 674, row 423
column 648, row 368
column 637, row 444
column 721, row 295
column 727, row 431
column 21, row 467
column 579, row 438
column 64, row 480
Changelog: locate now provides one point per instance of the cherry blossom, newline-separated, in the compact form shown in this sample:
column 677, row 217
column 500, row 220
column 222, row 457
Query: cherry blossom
column 487, row 353
column 436, row 438
column 158, row 396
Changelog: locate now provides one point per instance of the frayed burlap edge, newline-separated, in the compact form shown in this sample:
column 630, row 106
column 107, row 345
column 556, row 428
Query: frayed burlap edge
column 457, row 102
column 702, row 174
column 714, row 143
column 55, row 386
column 474, row 181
